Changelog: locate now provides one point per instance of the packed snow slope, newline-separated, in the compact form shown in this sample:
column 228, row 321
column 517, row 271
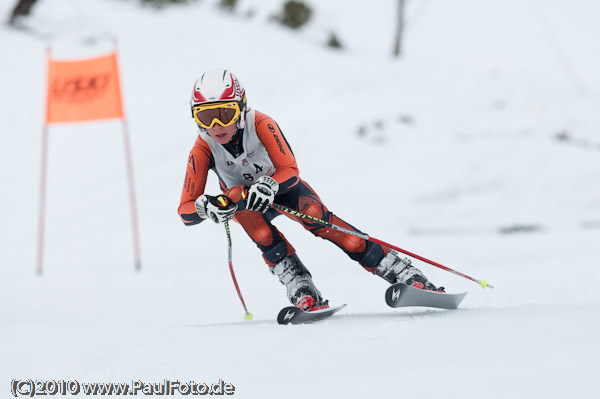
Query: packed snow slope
column 487, row 125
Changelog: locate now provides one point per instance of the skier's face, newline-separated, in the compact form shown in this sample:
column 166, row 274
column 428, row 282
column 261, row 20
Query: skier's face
column 222, row 134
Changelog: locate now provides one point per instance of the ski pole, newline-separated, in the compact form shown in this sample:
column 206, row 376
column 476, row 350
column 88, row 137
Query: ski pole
column 248, row 316
column 482, row 283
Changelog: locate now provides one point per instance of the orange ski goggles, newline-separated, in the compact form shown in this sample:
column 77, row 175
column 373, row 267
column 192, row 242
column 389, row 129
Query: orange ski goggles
column 209, row 115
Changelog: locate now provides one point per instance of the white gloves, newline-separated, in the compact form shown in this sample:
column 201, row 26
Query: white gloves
column 220, row 209
column 260, row 195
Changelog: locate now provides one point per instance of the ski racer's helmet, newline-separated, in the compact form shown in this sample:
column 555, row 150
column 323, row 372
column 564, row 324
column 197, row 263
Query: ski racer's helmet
column 218, row 97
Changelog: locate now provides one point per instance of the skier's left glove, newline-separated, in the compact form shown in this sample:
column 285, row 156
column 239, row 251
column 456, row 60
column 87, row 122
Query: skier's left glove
column 219, row 209
column 260, row 196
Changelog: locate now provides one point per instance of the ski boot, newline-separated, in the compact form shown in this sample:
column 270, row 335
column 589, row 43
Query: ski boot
column 394, row 269
column 301, row 290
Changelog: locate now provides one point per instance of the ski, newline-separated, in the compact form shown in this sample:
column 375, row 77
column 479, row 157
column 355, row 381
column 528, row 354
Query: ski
column 295, row 315
column 400, row 295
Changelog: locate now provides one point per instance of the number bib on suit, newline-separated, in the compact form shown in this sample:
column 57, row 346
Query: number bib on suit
column 251, row 164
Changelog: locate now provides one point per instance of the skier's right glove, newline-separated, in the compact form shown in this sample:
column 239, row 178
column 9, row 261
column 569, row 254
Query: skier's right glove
column 260, row 196
column 219, row 209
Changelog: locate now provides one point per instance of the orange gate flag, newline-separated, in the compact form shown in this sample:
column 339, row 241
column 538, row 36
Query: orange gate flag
column 83, row 90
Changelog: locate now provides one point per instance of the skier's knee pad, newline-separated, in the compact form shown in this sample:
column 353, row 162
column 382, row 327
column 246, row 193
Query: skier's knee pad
column 256, row 227
column 311, row 206
column 261, row 235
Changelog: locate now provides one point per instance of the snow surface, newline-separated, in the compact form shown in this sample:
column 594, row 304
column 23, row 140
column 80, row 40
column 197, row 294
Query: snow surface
column 436, row 152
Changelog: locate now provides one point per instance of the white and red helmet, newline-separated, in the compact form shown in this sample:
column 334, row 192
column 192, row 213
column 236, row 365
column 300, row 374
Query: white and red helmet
column 219, row 85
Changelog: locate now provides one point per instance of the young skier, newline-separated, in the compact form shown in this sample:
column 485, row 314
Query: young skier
column 257, row 168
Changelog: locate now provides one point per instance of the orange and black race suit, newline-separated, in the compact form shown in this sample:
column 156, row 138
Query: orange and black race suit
column 293, row 192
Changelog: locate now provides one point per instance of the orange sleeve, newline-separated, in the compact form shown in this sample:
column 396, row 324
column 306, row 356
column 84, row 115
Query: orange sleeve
column 280, row 152
column 199, row 162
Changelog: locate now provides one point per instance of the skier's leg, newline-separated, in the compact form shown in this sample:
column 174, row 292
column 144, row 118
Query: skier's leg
column 267, row 237
column 375, row 258
column 282, row 260
column 304, row 199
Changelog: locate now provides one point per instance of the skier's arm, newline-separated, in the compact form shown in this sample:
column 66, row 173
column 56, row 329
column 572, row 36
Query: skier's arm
column 286, row 169
column 199, row 163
